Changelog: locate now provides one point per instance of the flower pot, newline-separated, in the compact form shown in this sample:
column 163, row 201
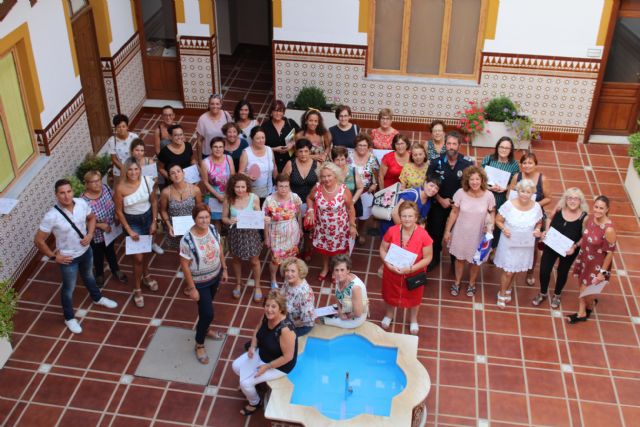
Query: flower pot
column 496, row 131
column 5, row 351
column 328, row 117
column 632, row 185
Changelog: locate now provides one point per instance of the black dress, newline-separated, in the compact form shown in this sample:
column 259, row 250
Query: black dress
column 277, row 139
column 342, row 138
column 303, row 186
column 169, row 158
column 269, row 343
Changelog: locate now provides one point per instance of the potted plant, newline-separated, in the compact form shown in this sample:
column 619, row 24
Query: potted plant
column 632, row 181
column 8, row 303
column 96, row 162
column 312, row 97
column 524, row 131
column 473, row 120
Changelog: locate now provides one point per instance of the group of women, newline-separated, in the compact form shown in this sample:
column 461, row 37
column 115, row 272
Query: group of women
column 314, row 187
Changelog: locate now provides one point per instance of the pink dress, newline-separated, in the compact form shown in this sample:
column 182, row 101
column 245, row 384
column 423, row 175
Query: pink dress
column 382, row 141
column 331, row 230
column 469, row 227
column 284, row 228
column 593, row 250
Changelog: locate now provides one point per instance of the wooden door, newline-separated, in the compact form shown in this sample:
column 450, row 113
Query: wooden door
column 95, row 99
column 618, row 105
column 161, row 63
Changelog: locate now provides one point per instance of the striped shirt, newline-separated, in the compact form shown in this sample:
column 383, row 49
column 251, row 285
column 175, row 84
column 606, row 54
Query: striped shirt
column 513, row 167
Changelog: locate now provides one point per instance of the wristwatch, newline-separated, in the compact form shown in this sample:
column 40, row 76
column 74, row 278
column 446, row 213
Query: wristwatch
column 53, row 257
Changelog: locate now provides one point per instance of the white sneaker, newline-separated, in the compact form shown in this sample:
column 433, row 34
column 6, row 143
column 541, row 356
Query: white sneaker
column 157, row 249
column 73, row 326
column 106, row 302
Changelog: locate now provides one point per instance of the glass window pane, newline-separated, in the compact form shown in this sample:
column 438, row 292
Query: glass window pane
column 387, row 38
column 623, row 65
column 6, row 170
column 76, row 5
column 11, row 100
column 463, row 36
column 425, row 36
column 159, row 27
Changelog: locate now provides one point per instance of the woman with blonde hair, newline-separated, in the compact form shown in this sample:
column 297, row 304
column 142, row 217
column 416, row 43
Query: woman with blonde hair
column 472, row 216
column 331, row 212
column 299, row 295
column 569, row 220
column 519, row 220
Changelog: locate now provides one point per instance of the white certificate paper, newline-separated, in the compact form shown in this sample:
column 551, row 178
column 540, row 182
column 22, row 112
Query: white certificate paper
column 352, row 244
column 594, row 289
column 215, row 205
column 250, row 220
column 513, row 194
column 497, row 176
column 380, row 154
column 142, row 246
column 192, row 174
column 399, row 257
column 7, row 205
column 325, row 311
column 150, row 170
column 521, row 239
column 181, row 224
column 558, row 241
column 116, row 230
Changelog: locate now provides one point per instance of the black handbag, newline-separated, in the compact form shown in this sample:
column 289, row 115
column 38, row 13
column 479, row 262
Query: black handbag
column 416, row 281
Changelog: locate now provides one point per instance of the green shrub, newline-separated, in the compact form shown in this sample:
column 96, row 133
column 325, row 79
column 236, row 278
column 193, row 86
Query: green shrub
column 311, row 97
column 94, row 162
column 8, row 303
column 76, row 184
column 500, row 109
column 634, row 149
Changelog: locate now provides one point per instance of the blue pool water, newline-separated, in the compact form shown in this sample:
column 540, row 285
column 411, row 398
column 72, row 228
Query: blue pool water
column 320, row 381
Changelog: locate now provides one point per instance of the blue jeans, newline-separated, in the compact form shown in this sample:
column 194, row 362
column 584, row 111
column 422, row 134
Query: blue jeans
column 84, row 265
column 207, row 291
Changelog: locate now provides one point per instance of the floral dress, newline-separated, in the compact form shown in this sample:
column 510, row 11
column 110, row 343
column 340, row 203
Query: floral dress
column 368, row 172
column 411, row 176
column 382, row 141
column 177, row 207
column 300, row 303
column 284, row 229
column 244, row 243
column 593, row 251
column 331, row 231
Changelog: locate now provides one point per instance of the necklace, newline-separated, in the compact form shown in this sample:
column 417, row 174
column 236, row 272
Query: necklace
column 330, row 193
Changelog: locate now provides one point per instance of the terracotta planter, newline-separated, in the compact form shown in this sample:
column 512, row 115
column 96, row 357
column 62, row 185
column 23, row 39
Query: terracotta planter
column 5, row 351
column 496, row 131
column 632, row 185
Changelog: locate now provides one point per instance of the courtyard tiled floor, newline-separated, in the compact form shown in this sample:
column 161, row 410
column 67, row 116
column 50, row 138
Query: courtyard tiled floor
column 520, row 366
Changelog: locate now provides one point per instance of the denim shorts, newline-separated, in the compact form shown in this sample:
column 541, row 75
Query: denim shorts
column 141, row 224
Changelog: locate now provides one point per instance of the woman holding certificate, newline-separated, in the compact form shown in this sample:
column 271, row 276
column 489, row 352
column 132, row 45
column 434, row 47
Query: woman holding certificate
column 258, row 163
column 244, row 243
column 177, row 200
column 519, row 220
column 204, row 267
column 215, row 171
column 596, row 255
column 567, row 223
column 351, row 294
column 472, row 216
column 137, row 211
column 402, row 243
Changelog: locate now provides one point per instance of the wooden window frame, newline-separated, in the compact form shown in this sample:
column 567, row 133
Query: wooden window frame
column 444, row 41
column 18, row 171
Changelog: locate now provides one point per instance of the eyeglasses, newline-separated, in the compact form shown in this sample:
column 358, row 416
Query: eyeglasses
column 502, row 147
column 93, row 181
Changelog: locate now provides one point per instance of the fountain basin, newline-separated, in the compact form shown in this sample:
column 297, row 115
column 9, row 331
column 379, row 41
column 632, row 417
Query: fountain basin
column 306, row 397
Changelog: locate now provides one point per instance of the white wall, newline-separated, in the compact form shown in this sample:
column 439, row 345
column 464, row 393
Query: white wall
column 320, row 21
column 192, row 25
column 547, row 27
column 252, row 21
column 51, row 51
column 122, row 27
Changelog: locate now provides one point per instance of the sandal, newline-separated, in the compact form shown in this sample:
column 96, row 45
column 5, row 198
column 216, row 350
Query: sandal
column 502, row 301
column 471, row 290
column 590, row 310
column 150, row 283
column 204, row 359
column 531, row 280
column 537, row 300
column 322, row 277
column 414, row 328
column 250, row 409
column 215, row 335
column 386, row 322
column 257, row 295
column 236, row 292
column 138, row 299
column 574, row 318
column 555, row 302
column 507, row 295
column 455, row 289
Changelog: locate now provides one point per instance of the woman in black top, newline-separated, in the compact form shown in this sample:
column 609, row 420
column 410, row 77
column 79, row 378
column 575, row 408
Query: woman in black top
column 276, row 130
column 569, row 220
column 302, row 179
column 178, row 152
column 344, row 133
column 272, row 354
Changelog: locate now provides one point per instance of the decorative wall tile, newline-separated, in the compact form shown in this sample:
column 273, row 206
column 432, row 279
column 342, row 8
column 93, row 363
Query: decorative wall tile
column 199, row 70
column 556, row 92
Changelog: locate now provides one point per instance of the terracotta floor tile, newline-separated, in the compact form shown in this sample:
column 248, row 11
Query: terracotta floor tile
column 537, row 326
column 180, row 407
column 624, row 357
column 141, row 401
column 630, row 414
column 595, row 388
column 454, row 373
column 598, row 414
column 93, row 395
column 6, row 406
column 628, row 391
column 226, row 413
column 56, row 390
column 450, row 398
column 32, row 349
column 126, row 335
column 77, row 354
column 13, row 382
column 77, row 418
column 619, row 333
column 545, row 382
column 121, row 421
column 39, row 292
column 548, row 411
column 456, row 341
column 503, row 322
column 94, row 330
column 506, row 378
column 112, row 359
column 39, row 415
column 508, row 407
column 542, row 350
column 503, row 346
column 456, row 318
